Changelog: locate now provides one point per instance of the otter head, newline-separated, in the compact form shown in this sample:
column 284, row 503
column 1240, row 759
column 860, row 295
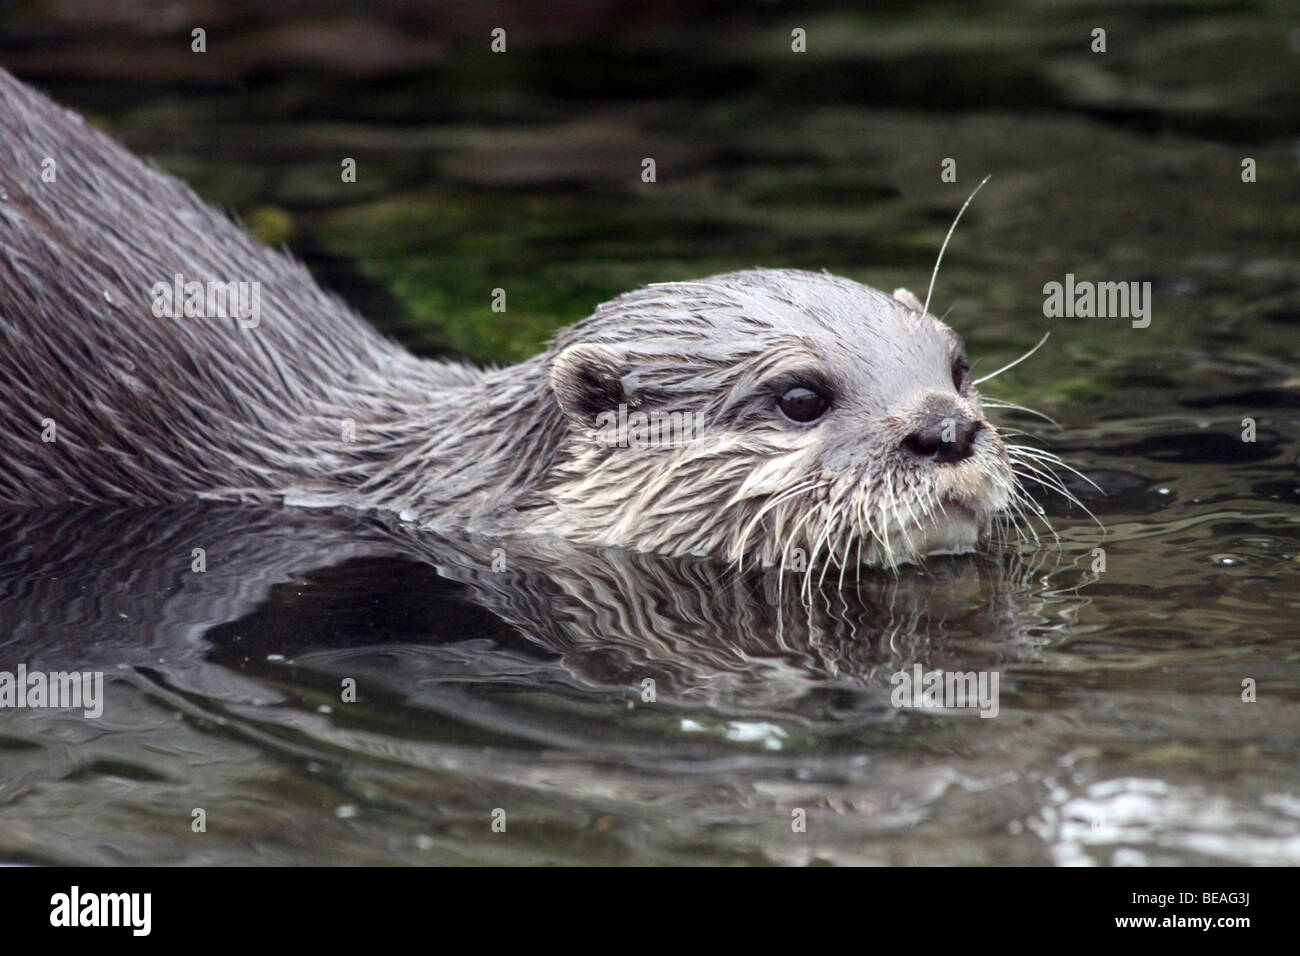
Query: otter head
column 779, row 417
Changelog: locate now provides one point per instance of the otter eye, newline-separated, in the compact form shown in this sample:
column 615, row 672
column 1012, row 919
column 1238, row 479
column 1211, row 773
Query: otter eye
column 960, row 369
column 802, row 405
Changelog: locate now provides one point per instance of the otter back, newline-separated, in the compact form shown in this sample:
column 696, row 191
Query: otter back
column 113, row 387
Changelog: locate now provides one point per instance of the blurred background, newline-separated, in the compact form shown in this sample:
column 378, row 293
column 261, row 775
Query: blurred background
column 1123, row 737
column 522, row 169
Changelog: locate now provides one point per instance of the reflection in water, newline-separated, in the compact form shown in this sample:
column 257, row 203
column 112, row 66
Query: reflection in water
column 1122, row 737
column 293, row 583
column 551, row 651
column 525, row 688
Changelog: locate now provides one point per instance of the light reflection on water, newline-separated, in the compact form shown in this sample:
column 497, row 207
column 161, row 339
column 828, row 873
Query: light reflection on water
column 1122, row 736
column 524, row 691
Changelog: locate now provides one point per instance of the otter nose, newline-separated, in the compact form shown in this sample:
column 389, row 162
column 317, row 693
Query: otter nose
column 946, row 439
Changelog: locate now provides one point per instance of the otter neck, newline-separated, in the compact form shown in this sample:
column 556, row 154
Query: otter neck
column 478, row 449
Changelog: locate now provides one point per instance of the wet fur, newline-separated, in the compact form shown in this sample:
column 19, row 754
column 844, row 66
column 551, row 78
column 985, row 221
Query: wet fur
column 152, row 410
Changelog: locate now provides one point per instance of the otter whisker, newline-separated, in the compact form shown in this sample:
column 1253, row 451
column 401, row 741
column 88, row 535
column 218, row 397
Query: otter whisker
column 1021, row 523
column 863, row 523
column 1018, row 433
column 832, row 524
column 815, row 561
column 1003, row 403
column 1011, row 365
column 844, row 562
column 858, row 564
column 1003, row 526
column 884, row 526
column 786, row 550
column 915, row 523
column 1036, row 472
column 1023, row 505
column 1013, row 406
column 1040, row 469
column 1049, row 480
column 1052, row 458
column 844, row 568
column 938, row 259
column 1027, row 509
column 1045, row 481
column 887, row 550
column 830, row 551
column 810, row 485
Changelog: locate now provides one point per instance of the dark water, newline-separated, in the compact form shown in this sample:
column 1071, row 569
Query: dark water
column 1122, row 736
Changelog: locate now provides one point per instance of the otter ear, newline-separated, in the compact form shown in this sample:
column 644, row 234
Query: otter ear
column 909, row 300
column 588, row 379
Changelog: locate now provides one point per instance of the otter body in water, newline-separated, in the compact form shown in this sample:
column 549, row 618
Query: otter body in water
column 809, row 414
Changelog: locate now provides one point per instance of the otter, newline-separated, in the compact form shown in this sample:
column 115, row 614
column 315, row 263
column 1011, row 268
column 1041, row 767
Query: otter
column 840, row 424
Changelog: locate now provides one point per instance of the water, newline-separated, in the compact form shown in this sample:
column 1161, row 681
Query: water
column 1122, row 736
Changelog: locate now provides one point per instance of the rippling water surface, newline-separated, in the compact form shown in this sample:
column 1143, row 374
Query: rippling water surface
column 1122, row 736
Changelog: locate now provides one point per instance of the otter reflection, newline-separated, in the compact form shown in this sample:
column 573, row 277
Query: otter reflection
column 421, row 618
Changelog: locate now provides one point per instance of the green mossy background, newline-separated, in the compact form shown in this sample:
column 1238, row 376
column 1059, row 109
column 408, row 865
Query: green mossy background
column 522, row 170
